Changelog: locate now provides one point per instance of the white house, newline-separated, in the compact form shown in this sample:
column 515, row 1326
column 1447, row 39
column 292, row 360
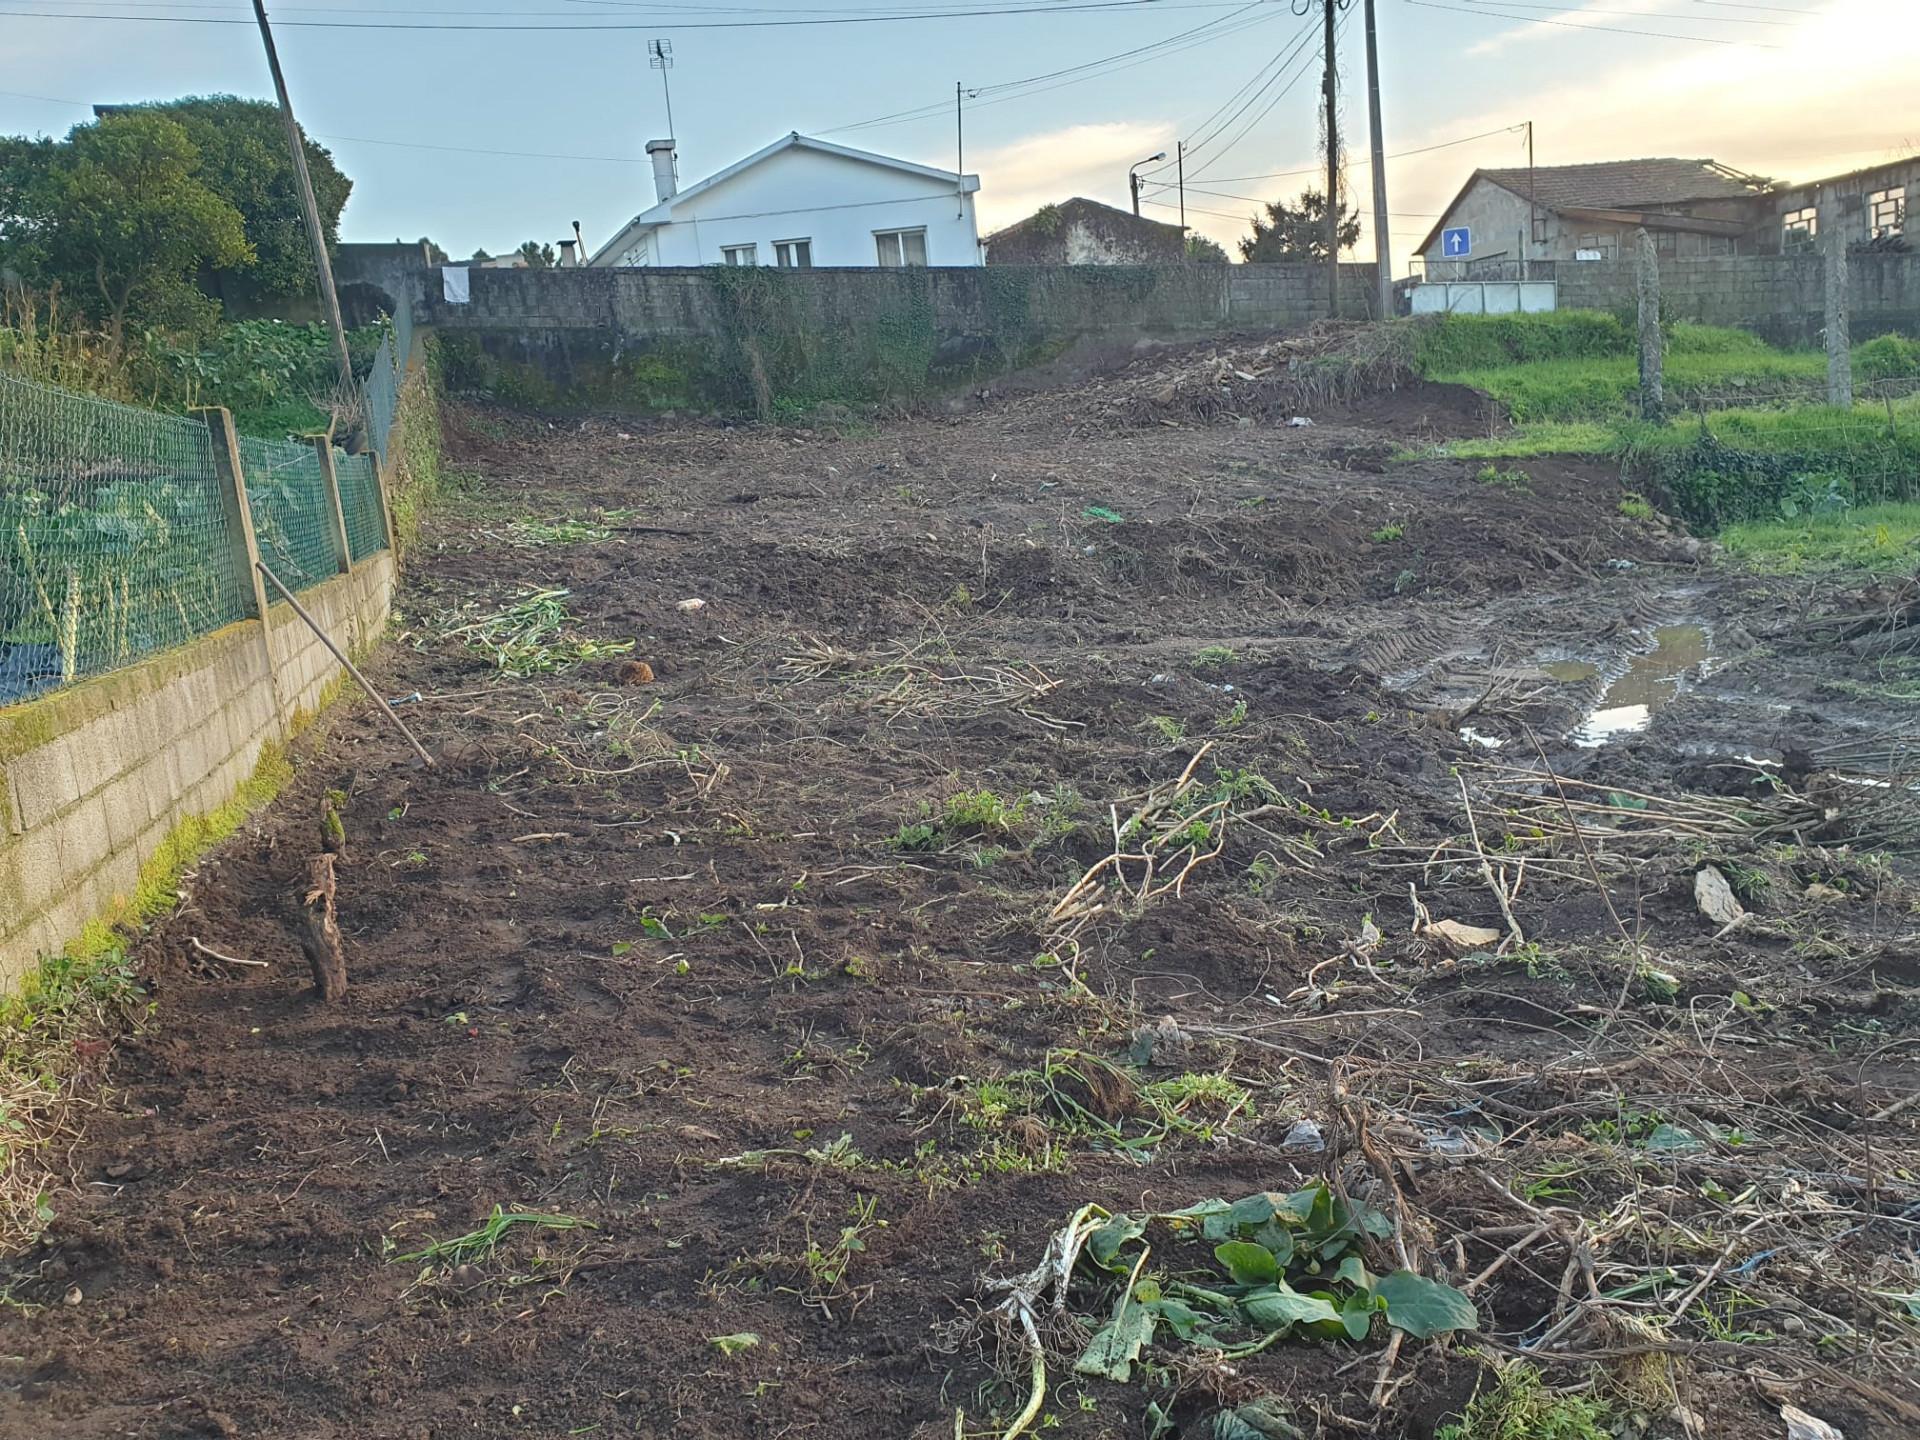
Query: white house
column 798, row 204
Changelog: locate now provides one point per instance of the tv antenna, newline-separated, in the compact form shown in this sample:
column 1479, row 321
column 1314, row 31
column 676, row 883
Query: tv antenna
column 660, row 57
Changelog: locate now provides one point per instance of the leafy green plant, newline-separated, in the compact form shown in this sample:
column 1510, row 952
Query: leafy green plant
column 1169, row 730
column 981, row 812
column 1103, row 514
column 1506, row 479
column 1389, row 532
column 1210, row 655
column 1636, row 506
column 1287, row 1264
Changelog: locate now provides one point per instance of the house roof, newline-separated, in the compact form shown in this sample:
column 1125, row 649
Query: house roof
column 662, row 213
column 1615, row 185
column 1080, row 202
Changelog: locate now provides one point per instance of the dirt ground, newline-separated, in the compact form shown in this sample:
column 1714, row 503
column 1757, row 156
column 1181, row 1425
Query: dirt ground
column 642, row 954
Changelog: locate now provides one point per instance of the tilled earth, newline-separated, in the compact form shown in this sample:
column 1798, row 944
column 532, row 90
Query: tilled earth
column 713, row 966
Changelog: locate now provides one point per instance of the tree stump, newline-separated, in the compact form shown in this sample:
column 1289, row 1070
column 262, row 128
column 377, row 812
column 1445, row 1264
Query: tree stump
column 320, row 930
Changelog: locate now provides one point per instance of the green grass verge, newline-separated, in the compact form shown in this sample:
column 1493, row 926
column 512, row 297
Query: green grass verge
column 1874, row 537
column 1573, row 366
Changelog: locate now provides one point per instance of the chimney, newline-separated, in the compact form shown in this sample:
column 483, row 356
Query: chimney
column 566, row 255
column 664, row 183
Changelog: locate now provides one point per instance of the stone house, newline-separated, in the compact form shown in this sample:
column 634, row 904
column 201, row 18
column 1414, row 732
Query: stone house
column 1085, row 232
column 1692, row 208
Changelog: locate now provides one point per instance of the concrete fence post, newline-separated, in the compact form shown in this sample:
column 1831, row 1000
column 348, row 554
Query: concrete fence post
column 233, row 500
column 335, row 514
column 1833, row 244
column 244, row 547
column 1646, row 274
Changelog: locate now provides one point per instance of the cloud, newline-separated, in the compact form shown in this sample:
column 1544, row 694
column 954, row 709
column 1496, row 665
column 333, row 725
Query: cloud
column 1824, row 104
column 1016, row 179
column 1609, row 15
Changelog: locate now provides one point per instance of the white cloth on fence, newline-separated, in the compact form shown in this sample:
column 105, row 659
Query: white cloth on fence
column 454, row 282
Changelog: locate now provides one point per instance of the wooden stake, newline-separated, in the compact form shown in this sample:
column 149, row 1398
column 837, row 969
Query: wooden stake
column 320, row 935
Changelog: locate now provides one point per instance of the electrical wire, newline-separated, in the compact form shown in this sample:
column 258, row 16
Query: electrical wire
column 1648, row 15
column 1366, row 162
column 1571, row 25
column 1075, row 74
column 650, row 25
column 1266, row 109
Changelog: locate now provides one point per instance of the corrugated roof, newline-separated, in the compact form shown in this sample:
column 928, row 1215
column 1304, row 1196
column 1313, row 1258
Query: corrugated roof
column 1627, row 184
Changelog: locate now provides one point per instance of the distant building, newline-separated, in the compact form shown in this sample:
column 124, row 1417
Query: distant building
column 1571, row 213
column 802, row 204
column 1085, row 232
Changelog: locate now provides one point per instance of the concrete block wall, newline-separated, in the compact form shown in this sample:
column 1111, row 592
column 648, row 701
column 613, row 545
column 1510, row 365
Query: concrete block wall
column 567, row 329
column 1781, row 297
column 94, row 777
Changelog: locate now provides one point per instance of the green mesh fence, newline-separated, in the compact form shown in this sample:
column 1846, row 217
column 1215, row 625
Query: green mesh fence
column 113, row 539
column 288, row 497
column 360, row 504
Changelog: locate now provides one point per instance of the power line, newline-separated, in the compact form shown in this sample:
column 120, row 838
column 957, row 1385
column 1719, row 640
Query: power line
column 1649, row 15
column 1363, row 164
column 1266, row 109
column 1213, row 126
column 1183, row 40
column 1570, row 25
column 965, row 14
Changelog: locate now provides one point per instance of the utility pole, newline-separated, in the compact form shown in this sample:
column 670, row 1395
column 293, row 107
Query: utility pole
column 1533, row 207
column 309, row 207
column 1330, row 84
column 1382, row 257
column 1833, row 245
column 959, row 148
column 1180, row 160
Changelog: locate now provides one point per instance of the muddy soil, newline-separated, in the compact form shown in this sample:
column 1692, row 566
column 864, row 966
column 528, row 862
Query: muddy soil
column 704, row 965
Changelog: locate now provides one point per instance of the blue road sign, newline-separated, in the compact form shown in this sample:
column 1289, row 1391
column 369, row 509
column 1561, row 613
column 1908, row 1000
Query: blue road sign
column 1456, row 243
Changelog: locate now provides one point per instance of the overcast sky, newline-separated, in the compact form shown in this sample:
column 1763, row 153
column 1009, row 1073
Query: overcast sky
column 1789, row 88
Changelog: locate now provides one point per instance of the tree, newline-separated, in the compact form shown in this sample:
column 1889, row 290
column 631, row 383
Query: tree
column 1299, row 233
column 537, row 256
column 244, row 160
column 119, row 219
column 481, row 255
column 1202, row 251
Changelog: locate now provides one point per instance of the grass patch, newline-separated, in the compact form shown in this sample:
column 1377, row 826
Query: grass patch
column 1526, row 441
column 1520, row 1407
column 87, row 991
column 1874, row 537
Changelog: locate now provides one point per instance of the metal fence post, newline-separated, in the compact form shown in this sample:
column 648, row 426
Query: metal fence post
column 233, row 499
column 335, row 515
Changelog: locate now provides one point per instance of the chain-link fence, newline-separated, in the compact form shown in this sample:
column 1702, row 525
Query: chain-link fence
column 288, row 496
column 113, row 532
column 115, row 536
column 382, row 391
column 360, row 504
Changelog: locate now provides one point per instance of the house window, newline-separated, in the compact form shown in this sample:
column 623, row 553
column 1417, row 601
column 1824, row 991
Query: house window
column 1798, row 229
column 1887, row 211
column 1539, row 225
column 901, row 247
column 1601, row 245
column 739, row 254
column 1665, row 243
column 793, row 254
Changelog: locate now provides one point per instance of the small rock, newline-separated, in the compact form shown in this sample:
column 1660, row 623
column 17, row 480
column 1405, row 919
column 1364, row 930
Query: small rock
column 1305, row 1135
column 73, row 1296
column 1826, row 894
column 1715, row 896
column 1802, row 1426
column 1460, row 937
column 1161, row 1043
column 690, row 605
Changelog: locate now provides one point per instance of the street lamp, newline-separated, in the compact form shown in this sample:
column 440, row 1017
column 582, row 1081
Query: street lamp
column 1133, row 180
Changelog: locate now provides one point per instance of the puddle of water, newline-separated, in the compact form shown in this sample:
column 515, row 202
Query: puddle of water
column 1571, row 672
column 1651, row 681
column 1480, row 738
